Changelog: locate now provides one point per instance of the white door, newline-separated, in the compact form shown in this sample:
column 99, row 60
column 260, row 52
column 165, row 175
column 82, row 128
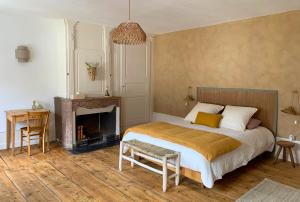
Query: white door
column 134, row 84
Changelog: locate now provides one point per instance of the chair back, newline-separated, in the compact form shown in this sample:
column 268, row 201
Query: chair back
column 37, row 120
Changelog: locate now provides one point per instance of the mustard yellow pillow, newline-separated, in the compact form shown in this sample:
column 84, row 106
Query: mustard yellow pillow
column 210, row 120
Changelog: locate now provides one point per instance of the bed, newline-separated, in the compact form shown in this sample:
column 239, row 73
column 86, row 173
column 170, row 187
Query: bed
column 254, row 142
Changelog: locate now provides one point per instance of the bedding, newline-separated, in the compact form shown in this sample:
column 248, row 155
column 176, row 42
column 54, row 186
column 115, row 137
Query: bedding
column 210, row 145
column 236, row 118
column 253, row 123
column 253, row 143
column 202, row 107
column 210, row 120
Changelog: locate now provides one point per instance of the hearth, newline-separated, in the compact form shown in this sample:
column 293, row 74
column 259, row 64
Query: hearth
column 87, row 124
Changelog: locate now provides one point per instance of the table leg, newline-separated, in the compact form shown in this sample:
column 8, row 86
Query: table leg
column 8, row 133
column 43, row 143
column 48, row 148
column 13, row 131
column 277, row 154
column 284, row 154
column 292, row 157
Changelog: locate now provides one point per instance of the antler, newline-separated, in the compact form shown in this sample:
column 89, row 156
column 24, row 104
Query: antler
column 91, row 66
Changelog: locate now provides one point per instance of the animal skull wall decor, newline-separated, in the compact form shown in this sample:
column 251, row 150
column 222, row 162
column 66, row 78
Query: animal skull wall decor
column 92, row 70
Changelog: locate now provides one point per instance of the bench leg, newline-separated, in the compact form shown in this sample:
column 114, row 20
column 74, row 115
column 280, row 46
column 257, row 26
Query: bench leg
column 165, row 174
column 132, row 156
column 120, row 156
column 177, row 170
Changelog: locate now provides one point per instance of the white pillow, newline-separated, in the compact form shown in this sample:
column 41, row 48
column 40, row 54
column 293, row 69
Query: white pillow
column 202, row 107
column 236, row 118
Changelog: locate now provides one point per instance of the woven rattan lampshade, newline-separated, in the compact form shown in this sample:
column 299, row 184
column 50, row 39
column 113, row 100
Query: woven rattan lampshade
column 129, row 33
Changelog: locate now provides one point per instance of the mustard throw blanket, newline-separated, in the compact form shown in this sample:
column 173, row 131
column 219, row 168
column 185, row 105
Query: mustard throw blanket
column 210, row 145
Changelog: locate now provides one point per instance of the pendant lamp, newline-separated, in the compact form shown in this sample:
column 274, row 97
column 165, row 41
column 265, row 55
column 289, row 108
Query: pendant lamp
column 129, row 33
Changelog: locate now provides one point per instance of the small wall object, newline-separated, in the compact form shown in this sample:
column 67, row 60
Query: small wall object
column 78, row 95
column 294, row 132
column 292, row 137
column 22, row 54
column 294, row 104
column 92, row 70
column 106, row 93
column 189, row 97
column 36, row 105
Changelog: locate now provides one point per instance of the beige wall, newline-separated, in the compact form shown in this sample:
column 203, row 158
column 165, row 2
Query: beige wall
column 262, row 53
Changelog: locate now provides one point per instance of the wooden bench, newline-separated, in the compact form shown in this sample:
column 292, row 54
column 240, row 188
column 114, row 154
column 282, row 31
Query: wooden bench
column 152, row 153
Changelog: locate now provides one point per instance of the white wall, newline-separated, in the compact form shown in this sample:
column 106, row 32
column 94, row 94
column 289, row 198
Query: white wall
column 40, row 79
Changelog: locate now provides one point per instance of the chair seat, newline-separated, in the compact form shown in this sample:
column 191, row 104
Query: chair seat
column 33, row 130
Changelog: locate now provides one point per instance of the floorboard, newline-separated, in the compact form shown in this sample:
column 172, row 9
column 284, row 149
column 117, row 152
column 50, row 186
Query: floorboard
column 61, row 176
column 88, row 182
column 8, row 192
column 62, row 186
column 31, row 188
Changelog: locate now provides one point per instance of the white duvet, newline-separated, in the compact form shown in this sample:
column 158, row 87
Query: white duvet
column 254, row 142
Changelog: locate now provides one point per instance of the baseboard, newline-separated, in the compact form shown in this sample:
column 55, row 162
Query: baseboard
column 17, row 140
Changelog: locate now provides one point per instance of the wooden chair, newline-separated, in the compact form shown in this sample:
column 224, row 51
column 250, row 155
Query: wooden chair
column 37, row 128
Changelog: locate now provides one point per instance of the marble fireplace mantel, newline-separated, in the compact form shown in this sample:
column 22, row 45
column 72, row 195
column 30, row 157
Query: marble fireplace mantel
column 66, row 110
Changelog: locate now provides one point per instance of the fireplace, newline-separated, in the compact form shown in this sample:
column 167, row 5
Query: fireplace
column 87, row 124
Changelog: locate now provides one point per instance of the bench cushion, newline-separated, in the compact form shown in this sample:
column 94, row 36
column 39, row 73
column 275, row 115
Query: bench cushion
column 150, row 149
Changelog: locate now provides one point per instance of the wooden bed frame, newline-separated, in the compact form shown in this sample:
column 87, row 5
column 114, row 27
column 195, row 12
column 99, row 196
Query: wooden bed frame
column 265, row 100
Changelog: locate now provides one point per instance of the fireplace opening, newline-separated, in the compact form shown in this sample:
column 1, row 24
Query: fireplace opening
column 95, row 130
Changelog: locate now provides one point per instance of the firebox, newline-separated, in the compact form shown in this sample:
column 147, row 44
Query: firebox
column 95, row 129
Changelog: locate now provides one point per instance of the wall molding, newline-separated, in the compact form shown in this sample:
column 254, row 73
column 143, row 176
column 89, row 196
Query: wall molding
column 84, row 85
column 70, row 46
column 76, row 33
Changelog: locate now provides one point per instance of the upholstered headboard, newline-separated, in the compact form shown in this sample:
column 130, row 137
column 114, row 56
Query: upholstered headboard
column 265, row 100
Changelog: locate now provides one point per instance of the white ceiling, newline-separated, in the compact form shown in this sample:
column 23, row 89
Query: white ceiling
column 155, row 16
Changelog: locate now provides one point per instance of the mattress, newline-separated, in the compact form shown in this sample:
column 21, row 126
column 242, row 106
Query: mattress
column 254, row 142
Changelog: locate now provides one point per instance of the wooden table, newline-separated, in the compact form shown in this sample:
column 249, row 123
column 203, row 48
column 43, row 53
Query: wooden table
column 285, row 145
column 12, row 117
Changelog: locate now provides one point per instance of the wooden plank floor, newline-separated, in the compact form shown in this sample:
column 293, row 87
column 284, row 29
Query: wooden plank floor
column 62, row 176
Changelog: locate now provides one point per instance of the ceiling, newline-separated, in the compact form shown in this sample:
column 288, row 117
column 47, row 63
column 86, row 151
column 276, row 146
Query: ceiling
column 155, row 16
